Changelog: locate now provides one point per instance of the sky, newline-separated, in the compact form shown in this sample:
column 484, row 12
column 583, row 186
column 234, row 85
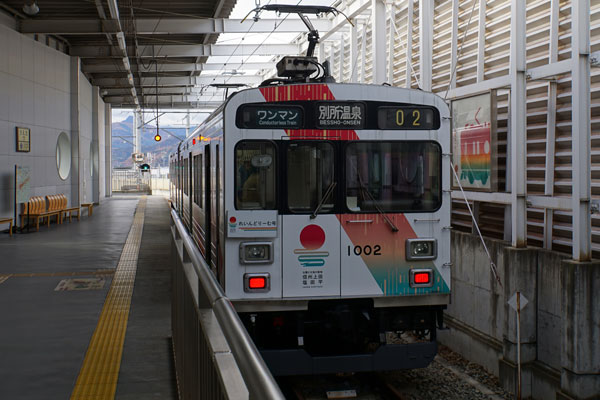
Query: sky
column 241, row 9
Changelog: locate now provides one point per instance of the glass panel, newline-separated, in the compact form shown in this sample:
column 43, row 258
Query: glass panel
column 255, row 176
column 394, row 176
column 310, row 174
column 198, row 180
column 186, row 182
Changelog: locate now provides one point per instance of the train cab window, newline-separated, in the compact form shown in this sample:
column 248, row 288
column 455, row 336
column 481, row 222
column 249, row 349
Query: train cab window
column 393, row 176
column 255, row 171
column 197, row 177
column 310, row 177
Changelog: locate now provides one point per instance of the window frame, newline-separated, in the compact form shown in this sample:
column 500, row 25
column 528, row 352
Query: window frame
column 197, row 179
column 343, row 195
column 277, row 178
column 336, row 178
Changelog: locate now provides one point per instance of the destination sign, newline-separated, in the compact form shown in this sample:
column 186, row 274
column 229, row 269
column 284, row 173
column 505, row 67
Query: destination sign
column 270, row 117
column 415, row 118
column 340, row 115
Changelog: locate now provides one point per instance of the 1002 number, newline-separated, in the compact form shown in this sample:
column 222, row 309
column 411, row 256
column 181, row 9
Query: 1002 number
column 367, row 250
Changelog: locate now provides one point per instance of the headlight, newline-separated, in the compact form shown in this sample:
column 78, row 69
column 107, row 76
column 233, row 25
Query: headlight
column 256, row 253
column 421, row 249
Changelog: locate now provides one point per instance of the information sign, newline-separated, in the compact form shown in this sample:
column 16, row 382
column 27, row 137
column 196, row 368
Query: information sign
column 340, row 115
column 271, row 116
column 413, row 118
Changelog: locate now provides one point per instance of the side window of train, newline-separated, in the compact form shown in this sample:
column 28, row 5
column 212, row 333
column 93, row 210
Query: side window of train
column 186, row 176
column 197, row 171
column 255, row 176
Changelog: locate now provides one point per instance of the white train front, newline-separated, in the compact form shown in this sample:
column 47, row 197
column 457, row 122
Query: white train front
column 323, row 210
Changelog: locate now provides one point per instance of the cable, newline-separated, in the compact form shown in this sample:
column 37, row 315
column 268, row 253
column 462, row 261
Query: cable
column 493, row 266
column 453, row 72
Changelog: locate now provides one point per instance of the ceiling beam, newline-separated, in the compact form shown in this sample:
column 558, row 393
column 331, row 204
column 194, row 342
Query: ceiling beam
column 166, row 91
column 178, row 81
column 149, row 26
column 178, row 98
column 197, row 50
column 177, row 67
column 125, row 102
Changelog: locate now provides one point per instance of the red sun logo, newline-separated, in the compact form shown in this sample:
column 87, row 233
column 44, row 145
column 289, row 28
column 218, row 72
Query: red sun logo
column 312, row 237
column 232, row 220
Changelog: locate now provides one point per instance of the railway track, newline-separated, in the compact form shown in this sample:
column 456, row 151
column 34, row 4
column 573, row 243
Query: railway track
column 448, row 377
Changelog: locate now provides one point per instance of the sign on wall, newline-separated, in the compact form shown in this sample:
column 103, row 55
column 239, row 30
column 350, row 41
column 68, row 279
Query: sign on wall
column 23, row 140
column 23, row 183
column 474, row 142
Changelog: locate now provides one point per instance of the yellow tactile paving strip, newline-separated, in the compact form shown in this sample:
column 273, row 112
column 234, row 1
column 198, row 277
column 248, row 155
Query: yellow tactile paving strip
column 100, row 370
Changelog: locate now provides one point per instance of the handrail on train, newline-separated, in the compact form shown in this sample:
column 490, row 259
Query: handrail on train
column 259, row 380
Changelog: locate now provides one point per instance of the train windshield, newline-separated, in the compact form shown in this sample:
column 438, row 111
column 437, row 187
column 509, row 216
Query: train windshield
column 255, row 176
column 310, row 176
column 393, row 176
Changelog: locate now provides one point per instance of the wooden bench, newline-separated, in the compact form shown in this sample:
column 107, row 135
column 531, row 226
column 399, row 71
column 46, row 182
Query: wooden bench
column 90, row 207
column 35, row 208
column 7, row 221
column 55, row 205
column 59, row 202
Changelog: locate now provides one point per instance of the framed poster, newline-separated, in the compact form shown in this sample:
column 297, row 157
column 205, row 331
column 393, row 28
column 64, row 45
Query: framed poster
column 474, row 148
column 23, row 140
column 23, row 186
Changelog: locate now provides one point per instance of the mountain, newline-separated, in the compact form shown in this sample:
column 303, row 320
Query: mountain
column 122, row 149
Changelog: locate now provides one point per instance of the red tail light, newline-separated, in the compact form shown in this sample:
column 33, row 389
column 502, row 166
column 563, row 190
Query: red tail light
column 257, row 282
column 422, row 277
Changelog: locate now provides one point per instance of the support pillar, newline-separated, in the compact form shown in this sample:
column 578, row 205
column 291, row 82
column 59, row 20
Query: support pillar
column 378, row 41
column 409, row 42
column 95, row 144
column 580, row 347
column 518, row 123
column 108, row 149
column 75, row 175
column 425, row 43
column 353, row 51
column 581, row 131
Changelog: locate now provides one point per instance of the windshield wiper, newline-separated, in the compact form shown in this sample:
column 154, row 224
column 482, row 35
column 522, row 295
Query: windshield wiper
column 322, row 201
column 376, row 204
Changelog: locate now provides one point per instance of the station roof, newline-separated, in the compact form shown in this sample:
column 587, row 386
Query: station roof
column 125, row 46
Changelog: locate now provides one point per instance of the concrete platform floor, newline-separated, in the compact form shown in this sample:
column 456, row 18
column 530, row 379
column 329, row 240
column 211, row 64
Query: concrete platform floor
column 44, row 333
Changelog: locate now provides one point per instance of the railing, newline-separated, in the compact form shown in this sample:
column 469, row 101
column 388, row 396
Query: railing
column 131, row 180
column 214, row 355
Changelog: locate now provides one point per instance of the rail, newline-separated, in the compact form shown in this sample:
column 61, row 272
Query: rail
column 208, row 367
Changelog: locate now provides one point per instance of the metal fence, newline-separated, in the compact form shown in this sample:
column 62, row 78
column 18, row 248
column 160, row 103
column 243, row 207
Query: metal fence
column 131, row 180
column 214, row 355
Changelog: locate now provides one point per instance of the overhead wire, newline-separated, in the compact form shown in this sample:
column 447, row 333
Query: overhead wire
column 453, row 71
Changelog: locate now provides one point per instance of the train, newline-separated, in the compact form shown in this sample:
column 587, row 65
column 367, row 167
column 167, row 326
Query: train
column 323, row 210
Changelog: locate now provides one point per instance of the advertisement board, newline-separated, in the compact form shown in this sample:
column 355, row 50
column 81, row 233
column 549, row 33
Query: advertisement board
column 474, row 142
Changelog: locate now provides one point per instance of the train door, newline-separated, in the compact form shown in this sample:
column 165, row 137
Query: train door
column 208, row 204
column 190, row 205
column 178, row 171
column 218, row 266
column 311, row 233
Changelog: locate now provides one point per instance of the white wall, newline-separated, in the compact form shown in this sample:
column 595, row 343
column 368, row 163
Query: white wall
column 35, row 92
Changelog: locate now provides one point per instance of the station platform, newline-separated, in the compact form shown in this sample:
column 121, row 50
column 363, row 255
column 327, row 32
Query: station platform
column 85, row 306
